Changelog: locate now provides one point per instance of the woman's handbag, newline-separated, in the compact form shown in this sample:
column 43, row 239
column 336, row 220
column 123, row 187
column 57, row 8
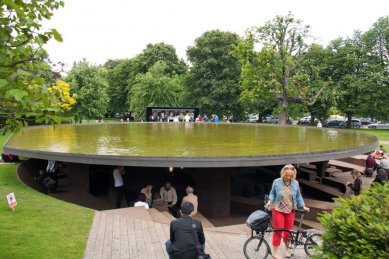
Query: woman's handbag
column 200, row 252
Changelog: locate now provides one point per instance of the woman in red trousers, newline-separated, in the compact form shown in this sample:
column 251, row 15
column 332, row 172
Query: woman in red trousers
column 284, row 198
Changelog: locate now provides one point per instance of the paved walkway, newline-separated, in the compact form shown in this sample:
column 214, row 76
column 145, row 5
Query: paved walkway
column 140, row 233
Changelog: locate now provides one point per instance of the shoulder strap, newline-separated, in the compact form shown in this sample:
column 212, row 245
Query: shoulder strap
column 196, row 237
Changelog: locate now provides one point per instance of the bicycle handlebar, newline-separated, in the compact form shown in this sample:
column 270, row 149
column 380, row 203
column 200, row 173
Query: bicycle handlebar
column 300, row 211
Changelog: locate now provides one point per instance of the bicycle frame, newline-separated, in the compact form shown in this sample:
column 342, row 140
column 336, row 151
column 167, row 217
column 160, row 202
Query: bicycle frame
column 298, row 236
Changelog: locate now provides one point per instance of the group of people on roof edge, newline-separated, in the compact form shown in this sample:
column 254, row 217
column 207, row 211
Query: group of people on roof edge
column 164, row 200
column 187, row 118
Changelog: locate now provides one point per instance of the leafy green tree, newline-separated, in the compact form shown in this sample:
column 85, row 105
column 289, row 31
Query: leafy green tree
column 118, row 79
column 358, row 227
column 377, row 71
column 90, row 85
column 351, row 75
column 23, row 61
column 254, row 73
column 155, row 88
column 283, row 42
column 161, row 52
column 213, row 82
column 313, row 80
column 122, row 74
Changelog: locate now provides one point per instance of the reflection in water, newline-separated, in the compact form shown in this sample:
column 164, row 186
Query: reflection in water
column 185, row 139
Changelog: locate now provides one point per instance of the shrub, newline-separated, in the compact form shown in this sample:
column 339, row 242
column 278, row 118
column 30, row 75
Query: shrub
column 359, row 226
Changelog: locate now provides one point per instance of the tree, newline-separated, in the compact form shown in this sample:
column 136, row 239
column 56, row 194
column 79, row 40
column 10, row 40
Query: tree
column 351, row 74
column 118, row 79
column 90, row 85
column 161, row 52
column 254, row 72
column 282, row 41
column 23, row 92
column 376, row 42
column 122, row 74
column 213, row 80
column 155, row 88
column 313, row 80
column 358, row 227
column 61, row 97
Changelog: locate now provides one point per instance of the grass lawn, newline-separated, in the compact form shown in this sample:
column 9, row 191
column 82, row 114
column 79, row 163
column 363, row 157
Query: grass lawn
column 41, row 226
column 381, row 134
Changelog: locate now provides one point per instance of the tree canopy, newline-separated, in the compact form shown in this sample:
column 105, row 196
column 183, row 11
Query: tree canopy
column 155, row 88
column 213, row 81
column 90, row 85
column 23, row 62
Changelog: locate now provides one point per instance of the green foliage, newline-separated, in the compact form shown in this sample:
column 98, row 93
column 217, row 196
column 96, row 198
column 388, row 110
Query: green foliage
column 90, row 85
column 359, row 226
column 213, row 80
column 118, row 77
column 161, row 52
column 122, row 74
column 41, row 226
column 313, row 80
column 23, row 92
column 282, row 42
column 155, row 88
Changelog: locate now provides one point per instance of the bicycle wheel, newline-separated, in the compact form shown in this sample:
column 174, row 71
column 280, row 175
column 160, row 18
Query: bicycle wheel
column 313, row 243
column 256, row 248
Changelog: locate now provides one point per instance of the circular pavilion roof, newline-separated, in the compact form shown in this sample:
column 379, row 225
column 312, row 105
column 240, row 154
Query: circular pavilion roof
column 187, row 144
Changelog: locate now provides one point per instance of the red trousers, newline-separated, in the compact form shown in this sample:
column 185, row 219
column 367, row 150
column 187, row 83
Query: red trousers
column 281, row 220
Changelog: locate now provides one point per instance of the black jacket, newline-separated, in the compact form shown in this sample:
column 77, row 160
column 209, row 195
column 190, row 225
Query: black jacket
column 181, row 236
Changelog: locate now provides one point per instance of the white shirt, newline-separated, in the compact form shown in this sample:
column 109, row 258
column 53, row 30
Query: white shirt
column 141, row 203
column 117, row 176
column 187, row 118
column 385, row 163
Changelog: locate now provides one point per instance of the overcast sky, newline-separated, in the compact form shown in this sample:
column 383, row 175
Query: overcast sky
column 99, row 30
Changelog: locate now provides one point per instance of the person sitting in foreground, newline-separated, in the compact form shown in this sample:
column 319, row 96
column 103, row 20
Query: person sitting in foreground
column 182, row 244
column 141, row 201
column 159, row 203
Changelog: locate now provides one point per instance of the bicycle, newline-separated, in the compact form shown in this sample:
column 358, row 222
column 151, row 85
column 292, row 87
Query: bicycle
column 257, row 246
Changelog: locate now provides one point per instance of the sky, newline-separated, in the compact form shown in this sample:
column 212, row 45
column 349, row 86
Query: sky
column 99, row 30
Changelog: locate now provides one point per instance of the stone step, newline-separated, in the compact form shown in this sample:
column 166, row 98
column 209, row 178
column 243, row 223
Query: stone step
column 335, row 182
column 309, row 224
column 320, row 191
column 131, row 212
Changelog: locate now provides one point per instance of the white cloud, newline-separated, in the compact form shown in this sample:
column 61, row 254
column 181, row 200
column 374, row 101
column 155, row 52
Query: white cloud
column 99, row 30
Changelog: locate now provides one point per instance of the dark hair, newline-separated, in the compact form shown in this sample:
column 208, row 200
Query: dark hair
column 187, row 208
column 156, row 196
column 141, row 197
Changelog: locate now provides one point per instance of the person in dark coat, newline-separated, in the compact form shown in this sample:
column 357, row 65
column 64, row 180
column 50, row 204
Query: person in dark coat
column 182, row 243
column 355, row 186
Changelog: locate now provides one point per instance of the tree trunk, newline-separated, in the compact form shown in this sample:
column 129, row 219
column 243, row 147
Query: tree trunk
column 349, row 118
column 283, row 116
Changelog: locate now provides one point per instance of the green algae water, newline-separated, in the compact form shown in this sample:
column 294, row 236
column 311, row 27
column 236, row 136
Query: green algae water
column 185, row 139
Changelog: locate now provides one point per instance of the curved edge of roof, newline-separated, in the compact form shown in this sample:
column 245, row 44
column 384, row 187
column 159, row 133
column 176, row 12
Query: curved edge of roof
column 194, row 162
